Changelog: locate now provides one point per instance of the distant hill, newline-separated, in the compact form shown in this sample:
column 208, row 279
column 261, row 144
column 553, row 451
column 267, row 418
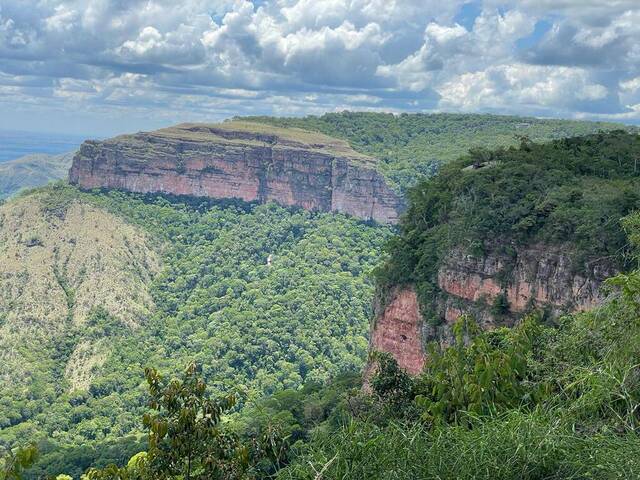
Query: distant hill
column 411, row 146
column 17, row 144
column 32, row 171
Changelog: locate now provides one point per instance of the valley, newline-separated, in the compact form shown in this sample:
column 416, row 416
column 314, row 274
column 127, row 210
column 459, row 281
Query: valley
column 268, row 253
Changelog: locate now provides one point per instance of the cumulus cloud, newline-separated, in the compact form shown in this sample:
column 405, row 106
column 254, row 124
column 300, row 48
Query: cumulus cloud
column 163, row 61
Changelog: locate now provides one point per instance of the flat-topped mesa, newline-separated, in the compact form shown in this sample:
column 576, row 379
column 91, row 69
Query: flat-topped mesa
column 244, row 160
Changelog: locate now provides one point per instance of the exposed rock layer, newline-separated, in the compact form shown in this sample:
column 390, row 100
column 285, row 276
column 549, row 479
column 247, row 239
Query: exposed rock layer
column 251, row 162
column 398, row 330
column 536, row 277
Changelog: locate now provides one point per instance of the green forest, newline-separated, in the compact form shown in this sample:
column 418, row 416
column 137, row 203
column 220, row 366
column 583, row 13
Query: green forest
column 570, row 192
column 411, row 146
column 248, row 362
column 262, row 297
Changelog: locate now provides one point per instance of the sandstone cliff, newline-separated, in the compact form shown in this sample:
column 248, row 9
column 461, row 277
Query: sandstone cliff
column 242, row 160
column 537, row 277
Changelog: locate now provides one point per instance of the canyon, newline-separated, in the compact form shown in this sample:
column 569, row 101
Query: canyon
column 248, row 161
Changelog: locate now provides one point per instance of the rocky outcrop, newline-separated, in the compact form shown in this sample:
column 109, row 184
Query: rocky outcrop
column 251, row 162
column 397, row 329
column 538, row 277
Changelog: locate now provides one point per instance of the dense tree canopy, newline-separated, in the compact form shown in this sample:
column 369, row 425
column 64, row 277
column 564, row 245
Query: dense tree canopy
column 256, row 326
column 570, row 192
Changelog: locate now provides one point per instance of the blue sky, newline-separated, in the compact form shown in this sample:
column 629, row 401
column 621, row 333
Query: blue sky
column 101, row 67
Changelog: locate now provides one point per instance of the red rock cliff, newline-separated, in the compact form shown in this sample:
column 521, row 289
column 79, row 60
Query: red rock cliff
column 397, row 329
column 535, row 277
column 251, row 162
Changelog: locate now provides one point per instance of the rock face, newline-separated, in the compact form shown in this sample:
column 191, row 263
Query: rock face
column 397, row 330
column 252, row 162
column 537, row 277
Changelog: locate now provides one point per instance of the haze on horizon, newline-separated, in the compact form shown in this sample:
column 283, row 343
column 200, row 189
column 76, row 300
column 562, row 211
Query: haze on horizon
column 103, row 67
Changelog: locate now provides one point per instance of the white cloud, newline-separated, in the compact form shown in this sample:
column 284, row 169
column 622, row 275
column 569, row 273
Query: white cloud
column 224, row 57
column 518, row 87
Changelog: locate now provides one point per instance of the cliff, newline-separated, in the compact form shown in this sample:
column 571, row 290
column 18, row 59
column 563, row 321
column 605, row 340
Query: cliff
column 496, row 289
column 241, row 160
column 497, row 234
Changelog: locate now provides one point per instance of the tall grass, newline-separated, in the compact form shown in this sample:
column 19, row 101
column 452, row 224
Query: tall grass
column 515, row 446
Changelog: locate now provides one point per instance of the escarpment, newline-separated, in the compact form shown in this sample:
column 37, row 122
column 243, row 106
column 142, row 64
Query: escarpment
column 241, row 160
column 496, row 289
column 499, row 234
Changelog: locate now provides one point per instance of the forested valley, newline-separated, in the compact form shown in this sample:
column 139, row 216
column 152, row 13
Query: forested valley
column 227, row 339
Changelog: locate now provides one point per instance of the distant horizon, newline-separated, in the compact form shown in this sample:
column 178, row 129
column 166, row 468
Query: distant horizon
column 16, row 144
column 111, row 67
column 155, row 126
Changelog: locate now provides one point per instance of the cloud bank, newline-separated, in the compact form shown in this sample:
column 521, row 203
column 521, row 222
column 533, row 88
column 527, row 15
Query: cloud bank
column 112, row 65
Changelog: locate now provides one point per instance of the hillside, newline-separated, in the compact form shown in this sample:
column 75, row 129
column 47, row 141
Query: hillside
column 500, row 233
column 264, row 297
column 410, row 146
column 32, row 171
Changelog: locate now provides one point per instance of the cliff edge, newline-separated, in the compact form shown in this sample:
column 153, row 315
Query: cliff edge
column 243, row 160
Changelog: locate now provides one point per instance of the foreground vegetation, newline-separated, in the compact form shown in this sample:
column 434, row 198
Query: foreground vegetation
column 531, row 403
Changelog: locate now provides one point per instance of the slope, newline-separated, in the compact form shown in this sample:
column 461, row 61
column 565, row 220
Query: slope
column 32, row 171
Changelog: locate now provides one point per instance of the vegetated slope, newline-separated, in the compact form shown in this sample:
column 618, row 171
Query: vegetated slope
column 498, row 233
column 62, row 261
column 263, row 297
column 529, row 402
column 32, row 171
column 410, row 146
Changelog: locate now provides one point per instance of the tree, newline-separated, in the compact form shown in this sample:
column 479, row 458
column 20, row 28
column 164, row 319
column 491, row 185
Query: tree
column 184, row 435
column 15, row 462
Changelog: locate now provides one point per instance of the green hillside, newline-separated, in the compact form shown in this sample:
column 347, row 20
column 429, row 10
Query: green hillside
column 104, row 284
column 410, row 146
column 32, row 171
column 570, row 192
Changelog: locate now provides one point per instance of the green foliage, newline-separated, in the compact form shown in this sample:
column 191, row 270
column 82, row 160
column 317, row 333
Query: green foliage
column 528, row 403
column 513, row 446
column 413, row 146
column 187, row 439
column 259, row 328
column 14, row 462
column 481, row 373
column 500, row 305
column 391, row 384
column 570, row 192
column 184, row 436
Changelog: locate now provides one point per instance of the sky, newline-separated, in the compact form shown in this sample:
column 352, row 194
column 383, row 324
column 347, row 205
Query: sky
column 102, row 67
